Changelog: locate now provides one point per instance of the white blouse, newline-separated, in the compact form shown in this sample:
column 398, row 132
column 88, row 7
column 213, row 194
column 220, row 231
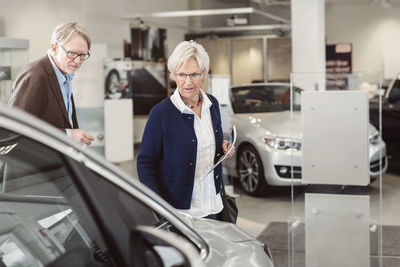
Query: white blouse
column 205, row 201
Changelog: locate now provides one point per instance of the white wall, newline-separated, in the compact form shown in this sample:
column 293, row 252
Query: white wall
column 308, row 32
column 246, row 50
column 34, row 20
column 373, row 31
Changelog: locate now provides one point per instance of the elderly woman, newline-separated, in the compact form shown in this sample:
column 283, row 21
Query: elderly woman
column 183, row 139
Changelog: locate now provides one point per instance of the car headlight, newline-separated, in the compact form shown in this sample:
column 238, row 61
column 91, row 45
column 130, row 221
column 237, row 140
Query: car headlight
column 282, row 143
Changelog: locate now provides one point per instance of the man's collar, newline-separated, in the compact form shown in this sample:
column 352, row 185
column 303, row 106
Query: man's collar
column 60, row 76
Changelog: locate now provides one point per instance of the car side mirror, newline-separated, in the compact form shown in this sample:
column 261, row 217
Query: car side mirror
column 155, row 247
column 394, row 95
column 79, row 257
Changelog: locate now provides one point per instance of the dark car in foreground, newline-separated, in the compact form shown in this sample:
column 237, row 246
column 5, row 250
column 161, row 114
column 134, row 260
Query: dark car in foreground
column 61, row 205
column 390, row 121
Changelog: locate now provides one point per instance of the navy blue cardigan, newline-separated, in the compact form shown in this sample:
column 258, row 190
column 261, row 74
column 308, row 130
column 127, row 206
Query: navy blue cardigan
column 167, row 156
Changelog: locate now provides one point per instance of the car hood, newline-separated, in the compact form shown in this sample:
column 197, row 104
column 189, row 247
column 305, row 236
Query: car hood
column 229, row 245
column 281, row 124
column 276, row 123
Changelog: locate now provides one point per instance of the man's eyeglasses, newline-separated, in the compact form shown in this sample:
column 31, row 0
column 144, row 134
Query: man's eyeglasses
column 193, row 76
column 73, row 55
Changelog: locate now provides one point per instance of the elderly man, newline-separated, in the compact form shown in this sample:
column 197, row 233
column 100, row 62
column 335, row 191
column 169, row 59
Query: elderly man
column 43, row 88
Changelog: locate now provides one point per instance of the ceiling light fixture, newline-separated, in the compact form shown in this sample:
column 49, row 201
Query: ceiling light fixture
column 282, row 27
column 383, row 3
column 208, row 12
column 235, row 20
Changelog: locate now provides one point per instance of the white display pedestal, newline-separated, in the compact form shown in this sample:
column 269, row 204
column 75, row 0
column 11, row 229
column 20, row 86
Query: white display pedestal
column 88, row 90
column 335, row 125
column 118, row 114
column 337, row 230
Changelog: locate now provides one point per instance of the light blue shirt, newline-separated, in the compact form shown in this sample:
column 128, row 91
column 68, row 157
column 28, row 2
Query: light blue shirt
column 66, row 89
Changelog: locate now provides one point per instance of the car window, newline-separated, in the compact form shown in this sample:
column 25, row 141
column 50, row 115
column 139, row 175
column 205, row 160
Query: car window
column 136, row 209
column 43, row 218
column 257, row 99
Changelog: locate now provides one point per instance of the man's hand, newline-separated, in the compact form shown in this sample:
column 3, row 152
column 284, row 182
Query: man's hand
column 82, row 137
column 225, row 145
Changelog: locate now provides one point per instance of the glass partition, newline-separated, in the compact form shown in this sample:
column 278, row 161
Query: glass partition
column 219, row 53
column 337, row 161
column 230, row 56
column 243, row 52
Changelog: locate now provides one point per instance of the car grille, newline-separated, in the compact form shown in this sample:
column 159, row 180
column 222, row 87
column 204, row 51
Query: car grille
column 288, row 173
column 374, row 166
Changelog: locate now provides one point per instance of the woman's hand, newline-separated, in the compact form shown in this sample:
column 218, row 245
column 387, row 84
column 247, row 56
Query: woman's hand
column 225, row 145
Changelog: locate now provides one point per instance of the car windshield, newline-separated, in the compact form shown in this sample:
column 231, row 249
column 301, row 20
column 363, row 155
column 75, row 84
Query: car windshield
column 263, row 98
column 43, row 217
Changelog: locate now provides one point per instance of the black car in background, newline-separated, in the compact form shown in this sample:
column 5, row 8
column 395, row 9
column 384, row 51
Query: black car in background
column 390, row 121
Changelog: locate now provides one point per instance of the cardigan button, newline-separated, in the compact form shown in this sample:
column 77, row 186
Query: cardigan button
column 216, row 131
column 216, row 177
column 189, row 118
column 193, row 140
column 191, row 163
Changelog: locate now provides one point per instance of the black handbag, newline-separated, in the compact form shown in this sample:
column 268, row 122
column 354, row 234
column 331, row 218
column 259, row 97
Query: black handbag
column 230, row 211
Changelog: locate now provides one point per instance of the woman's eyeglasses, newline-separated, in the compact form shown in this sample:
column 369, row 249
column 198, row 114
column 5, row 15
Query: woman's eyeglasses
column 195, row 76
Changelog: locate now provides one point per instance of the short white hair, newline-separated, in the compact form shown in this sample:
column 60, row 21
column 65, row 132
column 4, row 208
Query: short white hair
column 64, row 31
column 186, row 50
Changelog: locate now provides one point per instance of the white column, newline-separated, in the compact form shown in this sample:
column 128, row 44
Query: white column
column 308, row 37
column 195, row 22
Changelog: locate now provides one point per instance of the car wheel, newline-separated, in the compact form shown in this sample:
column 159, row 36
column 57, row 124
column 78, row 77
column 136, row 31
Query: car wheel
column 250, row 171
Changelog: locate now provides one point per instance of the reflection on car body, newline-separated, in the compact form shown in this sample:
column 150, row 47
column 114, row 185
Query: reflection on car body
column 390, row 120
column 64, row 206
column 269, row 142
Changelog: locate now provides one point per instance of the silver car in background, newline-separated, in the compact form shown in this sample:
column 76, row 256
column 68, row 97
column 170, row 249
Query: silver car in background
column 62, row 205
column 268, row 142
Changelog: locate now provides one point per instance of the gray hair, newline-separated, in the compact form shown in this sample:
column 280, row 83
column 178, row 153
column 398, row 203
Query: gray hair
column 64, row 31
column 186, row 50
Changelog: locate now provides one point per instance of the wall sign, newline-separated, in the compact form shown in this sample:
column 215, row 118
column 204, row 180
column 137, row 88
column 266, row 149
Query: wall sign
column 338, row 66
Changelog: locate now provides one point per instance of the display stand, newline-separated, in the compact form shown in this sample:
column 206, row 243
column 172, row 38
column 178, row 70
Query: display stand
column 219, row 88
column 118, row 114
column 88, row 90
column 334, row 211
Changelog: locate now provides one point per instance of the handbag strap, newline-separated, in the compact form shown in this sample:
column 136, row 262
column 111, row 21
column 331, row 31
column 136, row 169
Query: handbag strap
column 223, row 193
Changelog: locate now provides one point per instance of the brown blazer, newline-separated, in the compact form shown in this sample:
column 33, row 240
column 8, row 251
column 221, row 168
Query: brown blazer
column 37, row 91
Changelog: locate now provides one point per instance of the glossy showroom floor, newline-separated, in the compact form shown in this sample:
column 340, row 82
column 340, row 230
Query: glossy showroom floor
column 255, row 214
column 266, row 217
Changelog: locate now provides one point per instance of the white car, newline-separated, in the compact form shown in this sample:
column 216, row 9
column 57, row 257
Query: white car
column 62, row 205
column 266, row 143
column 116, row 72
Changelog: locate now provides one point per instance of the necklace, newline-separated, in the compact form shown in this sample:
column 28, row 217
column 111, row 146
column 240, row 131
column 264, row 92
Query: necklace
column 198, row 102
